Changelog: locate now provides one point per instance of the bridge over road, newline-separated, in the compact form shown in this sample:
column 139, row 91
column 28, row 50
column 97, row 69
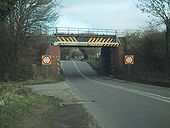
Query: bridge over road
column 106, row 39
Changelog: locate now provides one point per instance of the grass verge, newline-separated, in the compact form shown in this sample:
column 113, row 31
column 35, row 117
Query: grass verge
column 41, row 80
column 163, row 82
column 17, row 99
column 152, row 78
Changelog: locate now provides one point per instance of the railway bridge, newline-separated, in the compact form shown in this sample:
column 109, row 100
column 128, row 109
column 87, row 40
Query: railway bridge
column 106, row 39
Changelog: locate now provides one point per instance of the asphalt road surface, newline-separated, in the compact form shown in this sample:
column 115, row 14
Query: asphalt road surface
column 116, row 103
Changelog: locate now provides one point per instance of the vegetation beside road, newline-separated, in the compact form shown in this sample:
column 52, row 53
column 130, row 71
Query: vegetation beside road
column 149, row 51
column 23, row 36
column 17, row 99
column 151, row 80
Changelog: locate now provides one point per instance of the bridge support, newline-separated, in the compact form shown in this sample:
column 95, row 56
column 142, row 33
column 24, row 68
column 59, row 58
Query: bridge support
column 116, row 60
column 55, row 68
column 105, row 63
column 112, row 60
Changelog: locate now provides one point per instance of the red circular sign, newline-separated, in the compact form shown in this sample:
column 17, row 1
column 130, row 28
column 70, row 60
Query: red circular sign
column 129, row 59
column 46, row 59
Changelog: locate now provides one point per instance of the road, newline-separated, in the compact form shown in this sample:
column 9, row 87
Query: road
column 117, row 103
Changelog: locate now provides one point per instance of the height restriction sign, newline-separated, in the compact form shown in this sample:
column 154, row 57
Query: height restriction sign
column 129, row 59
column 46, row 59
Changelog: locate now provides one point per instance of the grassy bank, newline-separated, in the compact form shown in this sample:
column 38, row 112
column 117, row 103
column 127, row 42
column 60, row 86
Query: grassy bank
column 18, row 99
column 152, row 78
column 147, row 79
column 41, row 80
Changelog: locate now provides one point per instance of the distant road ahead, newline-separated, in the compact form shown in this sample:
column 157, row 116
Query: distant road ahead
column 116, row 103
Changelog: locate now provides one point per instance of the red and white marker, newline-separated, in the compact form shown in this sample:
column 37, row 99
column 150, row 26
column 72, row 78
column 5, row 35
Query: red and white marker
column 129, row 59
column 46, row 59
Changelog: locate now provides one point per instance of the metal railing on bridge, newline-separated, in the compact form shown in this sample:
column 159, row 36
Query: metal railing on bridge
column 85, row 31
column 94, row 31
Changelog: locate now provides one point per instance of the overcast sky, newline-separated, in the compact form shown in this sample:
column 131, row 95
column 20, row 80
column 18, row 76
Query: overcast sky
column 115, row 14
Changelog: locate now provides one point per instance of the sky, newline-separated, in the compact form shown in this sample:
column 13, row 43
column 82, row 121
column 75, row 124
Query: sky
column 110, row 14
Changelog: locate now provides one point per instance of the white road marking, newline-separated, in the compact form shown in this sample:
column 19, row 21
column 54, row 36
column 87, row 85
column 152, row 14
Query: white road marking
column 143, row 93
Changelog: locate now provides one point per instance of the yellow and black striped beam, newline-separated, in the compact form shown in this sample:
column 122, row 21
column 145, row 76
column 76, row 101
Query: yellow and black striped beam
column 101, row 39
column 67, row 39
column 103, row 44
column 87, row 42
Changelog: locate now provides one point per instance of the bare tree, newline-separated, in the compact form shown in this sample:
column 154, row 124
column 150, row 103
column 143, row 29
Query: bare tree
column 5, row 7
column 30, row 15
column 161, row 10
column 18, row 19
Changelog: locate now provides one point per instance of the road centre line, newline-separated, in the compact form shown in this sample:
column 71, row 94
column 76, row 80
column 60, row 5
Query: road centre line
column 143, row 93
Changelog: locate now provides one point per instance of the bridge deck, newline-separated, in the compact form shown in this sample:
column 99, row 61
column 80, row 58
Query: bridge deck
column 86, row 37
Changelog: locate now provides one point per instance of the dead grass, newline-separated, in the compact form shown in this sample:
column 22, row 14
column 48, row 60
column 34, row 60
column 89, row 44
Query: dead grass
column 18, row 99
